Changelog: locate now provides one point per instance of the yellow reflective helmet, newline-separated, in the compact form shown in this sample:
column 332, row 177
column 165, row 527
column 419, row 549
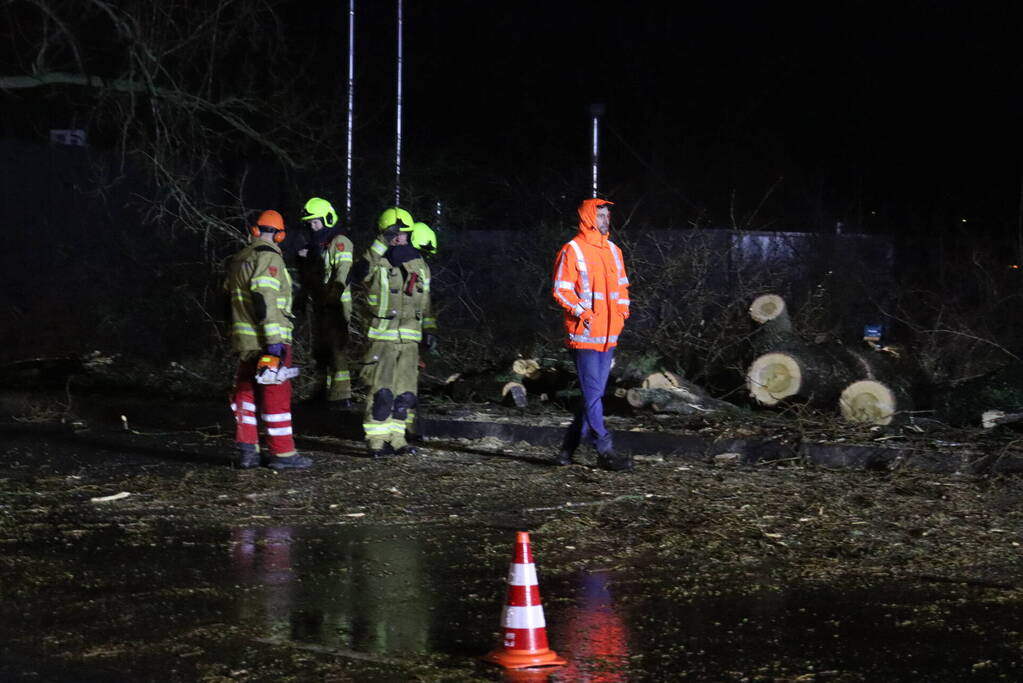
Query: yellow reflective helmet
column 322, row 209
column 424, row 238
column 395, row 216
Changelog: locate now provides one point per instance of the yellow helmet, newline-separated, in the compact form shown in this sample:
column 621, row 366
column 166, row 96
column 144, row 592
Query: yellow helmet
column 395, row 216
column 322, row 209
column 424, row 238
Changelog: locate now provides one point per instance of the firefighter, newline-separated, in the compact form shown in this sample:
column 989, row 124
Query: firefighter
column 259, row 287
column 332, row 302
column 591, row 285
column 397, row 300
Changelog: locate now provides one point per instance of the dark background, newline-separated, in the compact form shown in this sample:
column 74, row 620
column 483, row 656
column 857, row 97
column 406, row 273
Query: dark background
column 895, row 119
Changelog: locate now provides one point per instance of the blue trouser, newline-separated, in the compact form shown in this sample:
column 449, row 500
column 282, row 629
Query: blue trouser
column 593, row 368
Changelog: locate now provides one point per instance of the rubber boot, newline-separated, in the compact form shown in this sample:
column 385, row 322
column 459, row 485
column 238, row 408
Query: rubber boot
column 248, row 456
column 290, row 462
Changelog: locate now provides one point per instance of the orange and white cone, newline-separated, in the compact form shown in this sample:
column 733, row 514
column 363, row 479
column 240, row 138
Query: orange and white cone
column 522, row 622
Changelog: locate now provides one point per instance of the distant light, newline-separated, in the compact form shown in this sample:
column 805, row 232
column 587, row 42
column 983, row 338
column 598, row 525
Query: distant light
column 1014, row 266
column 873, row 213
column 963, row 220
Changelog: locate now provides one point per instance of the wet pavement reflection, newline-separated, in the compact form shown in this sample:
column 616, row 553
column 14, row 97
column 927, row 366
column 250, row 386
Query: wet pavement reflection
column 432, row 596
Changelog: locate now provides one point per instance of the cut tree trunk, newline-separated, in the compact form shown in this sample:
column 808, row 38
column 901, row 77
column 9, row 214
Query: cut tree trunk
column 544, row 378
column 687, row 399
column 771, row 313
column 815, row 374
column 888, row 385
column 485, row 387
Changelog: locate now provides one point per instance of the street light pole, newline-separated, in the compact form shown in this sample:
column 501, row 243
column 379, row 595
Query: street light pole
column 597, row 110
column 397, row 136
column 351, row 112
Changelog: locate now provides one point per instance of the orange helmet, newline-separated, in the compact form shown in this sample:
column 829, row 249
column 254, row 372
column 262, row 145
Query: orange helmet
column 269, row 220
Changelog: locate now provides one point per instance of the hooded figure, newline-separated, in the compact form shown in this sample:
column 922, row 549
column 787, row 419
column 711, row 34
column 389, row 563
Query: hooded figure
column 591, row 285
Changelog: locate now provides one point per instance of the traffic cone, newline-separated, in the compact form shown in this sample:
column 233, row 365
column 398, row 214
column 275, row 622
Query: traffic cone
column 525, row 631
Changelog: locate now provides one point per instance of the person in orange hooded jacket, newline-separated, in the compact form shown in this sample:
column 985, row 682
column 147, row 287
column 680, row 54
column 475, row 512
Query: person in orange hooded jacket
column 590, row 283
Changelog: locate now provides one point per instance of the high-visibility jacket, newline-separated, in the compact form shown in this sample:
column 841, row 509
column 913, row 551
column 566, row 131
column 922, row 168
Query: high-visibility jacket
column 259, row 286
column 589, row 275
column 337, row 263
column 398, row 301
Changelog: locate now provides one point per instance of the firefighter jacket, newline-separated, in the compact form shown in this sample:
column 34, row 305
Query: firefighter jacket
column 398, row 298
column 589, row 275
column 260, row 290
column 337, row 263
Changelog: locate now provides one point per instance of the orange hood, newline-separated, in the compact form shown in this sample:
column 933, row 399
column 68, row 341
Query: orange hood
column 588, row 217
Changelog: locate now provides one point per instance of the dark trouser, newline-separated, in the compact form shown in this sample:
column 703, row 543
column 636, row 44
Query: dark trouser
column 330, row 352
column 593, row 368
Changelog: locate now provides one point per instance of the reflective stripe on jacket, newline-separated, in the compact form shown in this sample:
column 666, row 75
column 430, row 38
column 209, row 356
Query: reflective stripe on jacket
column 260, row 289
column 398, row 301
column 589, row 274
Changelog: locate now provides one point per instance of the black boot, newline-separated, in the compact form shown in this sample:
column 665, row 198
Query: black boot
column 564, row 457
column 382, row 452
column 615, row 462
column 248, row 456
column 407, row 450
column 289, row 462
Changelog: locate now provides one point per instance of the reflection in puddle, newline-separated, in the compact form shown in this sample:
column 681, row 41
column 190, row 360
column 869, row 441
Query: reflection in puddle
column 397, row 593
column 595, row 635
column 359, row 591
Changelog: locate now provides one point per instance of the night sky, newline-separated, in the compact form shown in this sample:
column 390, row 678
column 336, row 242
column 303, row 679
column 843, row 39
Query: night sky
column 890, row 116
column 910, row 110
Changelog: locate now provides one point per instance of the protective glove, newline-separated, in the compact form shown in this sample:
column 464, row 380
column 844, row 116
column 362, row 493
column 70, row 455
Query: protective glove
column 430, row 342
column 275, row 350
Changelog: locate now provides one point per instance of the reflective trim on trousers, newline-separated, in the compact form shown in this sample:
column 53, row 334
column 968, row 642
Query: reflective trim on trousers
column 245, row 406
column 376, row 428
column 278, row 431
column 276, row 417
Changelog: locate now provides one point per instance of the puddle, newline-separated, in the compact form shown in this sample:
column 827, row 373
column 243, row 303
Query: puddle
column 407, row 597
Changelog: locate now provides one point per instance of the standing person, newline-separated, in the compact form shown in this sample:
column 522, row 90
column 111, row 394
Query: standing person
column 332, row 301
column 591, row 285
column 397, row 299
column 260, row 290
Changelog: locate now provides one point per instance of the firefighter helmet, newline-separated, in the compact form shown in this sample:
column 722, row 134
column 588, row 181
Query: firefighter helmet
column 395, row 216
column 269, row 221
column 322, row 209
column 424, row 238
